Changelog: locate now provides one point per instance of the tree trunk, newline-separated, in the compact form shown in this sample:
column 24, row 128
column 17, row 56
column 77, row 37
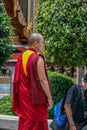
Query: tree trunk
column 80, row 73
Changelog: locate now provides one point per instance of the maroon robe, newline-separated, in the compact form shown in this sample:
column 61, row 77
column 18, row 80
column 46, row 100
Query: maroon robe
column 31, row 110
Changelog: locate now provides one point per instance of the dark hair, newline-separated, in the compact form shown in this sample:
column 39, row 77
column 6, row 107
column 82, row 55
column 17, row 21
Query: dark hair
column 85, row 78
column 33, row 37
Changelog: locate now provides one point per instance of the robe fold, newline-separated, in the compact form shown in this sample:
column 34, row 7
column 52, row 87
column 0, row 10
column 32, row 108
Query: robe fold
column 32, row 111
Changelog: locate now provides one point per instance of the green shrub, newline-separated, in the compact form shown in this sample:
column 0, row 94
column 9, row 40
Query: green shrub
column 6, row 34
column 5, row 106
column 59, row 83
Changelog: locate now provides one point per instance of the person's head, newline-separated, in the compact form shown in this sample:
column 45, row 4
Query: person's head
column 36, row 41
column 84, row 81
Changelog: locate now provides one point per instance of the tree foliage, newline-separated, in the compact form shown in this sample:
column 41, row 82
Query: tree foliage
column 5, row 33
column 64, row 26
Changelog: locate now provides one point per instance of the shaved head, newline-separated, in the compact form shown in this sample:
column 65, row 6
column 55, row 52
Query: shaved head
column 34, row 37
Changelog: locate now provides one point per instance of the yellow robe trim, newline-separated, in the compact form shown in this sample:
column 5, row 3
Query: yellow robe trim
column 25, row 58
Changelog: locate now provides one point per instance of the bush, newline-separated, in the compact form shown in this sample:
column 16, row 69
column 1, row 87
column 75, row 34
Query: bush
column 5, row 106
column 59, row 83
column 6, row 32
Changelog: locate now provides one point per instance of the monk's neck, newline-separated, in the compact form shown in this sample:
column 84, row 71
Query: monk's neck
column 33, row 49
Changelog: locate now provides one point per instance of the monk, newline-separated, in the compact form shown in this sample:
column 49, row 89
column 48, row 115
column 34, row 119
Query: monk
column 32, row 97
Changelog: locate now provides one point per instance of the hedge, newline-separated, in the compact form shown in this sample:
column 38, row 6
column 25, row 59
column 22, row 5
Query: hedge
column 59, row 84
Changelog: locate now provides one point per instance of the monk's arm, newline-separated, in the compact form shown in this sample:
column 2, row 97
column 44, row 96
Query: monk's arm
column 43, row 79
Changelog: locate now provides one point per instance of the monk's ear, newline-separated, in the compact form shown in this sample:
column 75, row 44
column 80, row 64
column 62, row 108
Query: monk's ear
column 35, row 43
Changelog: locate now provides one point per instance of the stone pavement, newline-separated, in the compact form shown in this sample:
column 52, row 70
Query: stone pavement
column 10, row 122
column 49, row 121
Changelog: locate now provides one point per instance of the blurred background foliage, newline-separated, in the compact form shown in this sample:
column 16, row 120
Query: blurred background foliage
column 63, row 24
column 6, row 31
